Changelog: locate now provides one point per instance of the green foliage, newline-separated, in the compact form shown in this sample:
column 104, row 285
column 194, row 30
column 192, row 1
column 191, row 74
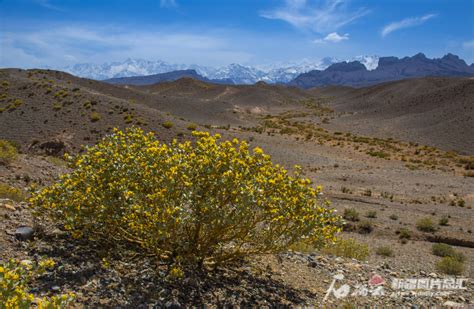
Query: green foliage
column 379, row 154
column 426, row 225
column 444, row 221
column 192, row 127
column 348, row 248
column 128, row 118
column 8, row 152
column 189, row 202
column 450, row 266
column 351, row 214
column 404, row 233
column 11, row 192
column 384, row 251
column 95, row 116
column 371, row 214
column 14, row 279
column 365, row 227
column 444, row 250
column 167, row 124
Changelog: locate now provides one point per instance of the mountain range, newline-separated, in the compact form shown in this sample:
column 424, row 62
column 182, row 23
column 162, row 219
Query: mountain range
column 236, row 73
column 355, row 74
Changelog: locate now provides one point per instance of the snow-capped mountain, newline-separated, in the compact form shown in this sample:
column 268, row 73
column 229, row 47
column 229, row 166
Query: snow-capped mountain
column 239, row 74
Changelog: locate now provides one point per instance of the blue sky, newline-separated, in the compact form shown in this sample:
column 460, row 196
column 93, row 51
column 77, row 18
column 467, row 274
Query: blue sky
column 218, row 32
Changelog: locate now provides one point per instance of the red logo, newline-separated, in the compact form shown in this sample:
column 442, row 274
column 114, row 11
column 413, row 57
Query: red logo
column 376, row 280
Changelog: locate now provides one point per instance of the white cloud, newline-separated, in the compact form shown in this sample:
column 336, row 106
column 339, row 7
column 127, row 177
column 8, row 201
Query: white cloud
column 168, row 3
column 333, row 37
column 406, row 23
column 328, row 16
column 468, row 44
column 101, row 44
column 47, row 4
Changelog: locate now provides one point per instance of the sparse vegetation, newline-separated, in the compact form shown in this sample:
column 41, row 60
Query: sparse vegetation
column 8, row 152
column 426, row 225
column 192, row 127
column 346, row 190
column 379, row 154
column 351, row 214
column 367, row 192
column 12, row 193
column 444, row 250
column 404, row 233
column 365, row 227
column 167, row 124
column 393, row 217
column 371, row 214
column 128, row 118
column 384, row 251
column 95, row 116
column 348, row 248
column 444, row 221
column 450, row 266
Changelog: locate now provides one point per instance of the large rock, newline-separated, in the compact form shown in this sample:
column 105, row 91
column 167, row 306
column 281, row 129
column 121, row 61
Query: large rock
column 24, row 233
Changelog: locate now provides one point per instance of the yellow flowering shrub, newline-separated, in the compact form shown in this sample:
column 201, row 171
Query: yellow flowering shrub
column 8, row 152
column 14, row 279
column 208, row 200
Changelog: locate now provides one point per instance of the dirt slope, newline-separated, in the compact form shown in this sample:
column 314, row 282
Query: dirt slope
column 430, row 111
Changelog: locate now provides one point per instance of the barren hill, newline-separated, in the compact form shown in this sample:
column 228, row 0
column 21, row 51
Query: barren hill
column 43, row 106
column 431, row 111
column 57, row 111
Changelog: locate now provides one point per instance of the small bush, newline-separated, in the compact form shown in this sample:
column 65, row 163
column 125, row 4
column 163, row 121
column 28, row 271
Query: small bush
column 371, row 214
column 192, row 127
column 426, row 225
column 346, row 190
column 206, row 201
column 11, row 193
column 348, row 248
column 167, row 124
column 444, row 221
column 351, row 214
column 367, row 192
column 393, row 217
column 379, row 154
column 128, row 118
column 450, row 266
column 14, row 279
column 444, row 250
column 95, row 116
column 8, row 152
column 365, row 227
column 384, row 251
column 404, row 233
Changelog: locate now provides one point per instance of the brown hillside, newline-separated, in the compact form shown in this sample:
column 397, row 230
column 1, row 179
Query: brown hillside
column 39, row 106
column 431, row 111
